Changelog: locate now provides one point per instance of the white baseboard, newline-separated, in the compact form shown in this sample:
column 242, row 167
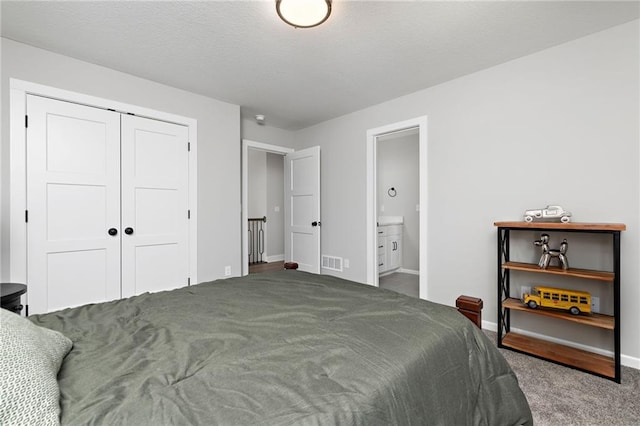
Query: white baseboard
column 402, row 270
column 274, row 258
column 626, row 360
column 629, row 361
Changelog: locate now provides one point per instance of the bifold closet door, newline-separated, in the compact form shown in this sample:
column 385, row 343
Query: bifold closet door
column 73, row 204
column 155, row 200
column 107, row 205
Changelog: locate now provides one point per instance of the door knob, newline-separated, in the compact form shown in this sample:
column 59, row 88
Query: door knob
column 315, row 223
column 113, row 232
column 128, row 231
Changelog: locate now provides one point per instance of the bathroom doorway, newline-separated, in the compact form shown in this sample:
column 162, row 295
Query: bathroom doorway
column 381, row 206
column 398, row 211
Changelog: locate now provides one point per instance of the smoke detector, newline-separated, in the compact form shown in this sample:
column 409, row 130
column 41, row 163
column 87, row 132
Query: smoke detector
column 260, row 118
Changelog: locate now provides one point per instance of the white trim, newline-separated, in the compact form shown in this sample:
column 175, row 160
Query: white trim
column 399, row 271
column 629, row 361
column 385, row 273
column 372, row 135
column 93, row 101
column 19, row 90
column 246, row 145
column 625, row 360
column 275, row 258
column 193, row 200
column 17, row 186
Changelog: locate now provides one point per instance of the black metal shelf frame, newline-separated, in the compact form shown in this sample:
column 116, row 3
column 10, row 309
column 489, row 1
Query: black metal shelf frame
column 504, row 285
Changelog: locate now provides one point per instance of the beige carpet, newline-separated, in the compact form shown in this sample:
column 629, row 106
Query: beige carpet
column 562, row 396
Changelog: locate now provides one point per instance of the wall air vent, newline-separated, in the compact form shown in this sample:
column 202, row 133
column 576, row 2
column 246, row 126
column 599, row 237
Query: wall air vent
column 332, row 262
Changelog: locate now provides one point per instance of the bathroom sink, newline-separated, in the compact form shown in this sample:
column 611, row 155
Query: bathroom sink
column 390, row 220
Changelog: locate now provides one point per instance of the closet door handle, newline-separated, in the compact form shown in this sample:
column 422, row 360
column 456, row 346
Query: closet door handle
column 113, row 232
column 128, row 231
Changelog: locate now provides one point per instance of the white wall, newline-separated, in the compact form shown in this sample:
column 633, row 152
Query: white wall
column 275, row 205
column 257, row 183
column 559, row 126
column 218, row 143
column 267, row 134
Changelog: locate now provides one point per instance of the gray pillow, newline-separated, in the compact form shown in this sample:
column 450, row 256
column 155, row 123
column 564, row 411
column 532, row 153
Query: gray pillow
column 30, row 357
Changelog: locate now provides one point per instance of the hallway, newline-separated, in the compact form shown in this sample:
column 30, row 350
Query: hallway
column 266, row 267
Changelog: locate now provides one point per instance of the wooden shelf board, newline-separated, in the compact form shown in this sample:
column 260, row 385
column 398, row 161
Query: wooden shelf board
column 560, row 226
column 577, row 358
column 595, row 320
column 555, row 270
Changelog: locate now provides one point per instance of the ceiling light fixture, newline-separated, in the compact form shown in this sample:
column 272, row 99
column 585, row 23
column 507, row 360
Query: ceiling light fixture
column 303, row 13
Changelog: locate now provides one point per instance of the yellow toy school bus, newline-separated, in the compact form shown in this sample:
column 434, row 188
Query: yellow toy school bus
column 549, row 297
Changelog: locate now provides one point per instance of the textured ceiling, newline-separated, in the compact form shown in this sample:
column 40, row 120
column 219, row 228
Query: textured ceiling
column 366, row 53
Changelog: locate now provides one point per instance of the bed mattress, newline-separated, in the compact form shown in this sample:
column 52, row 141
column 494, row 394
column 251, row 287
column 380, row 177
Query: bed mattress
column 281, row 348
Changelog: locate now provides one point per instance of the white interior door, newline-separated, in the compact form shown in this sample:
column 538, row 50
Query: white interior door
column 73, row 200
column 155, row 202
column 302, row 208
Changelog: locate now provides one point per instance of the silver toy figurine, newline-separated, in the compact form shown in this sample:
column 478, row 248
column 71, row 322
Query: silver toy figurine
column 548, row 254
column 549, row 213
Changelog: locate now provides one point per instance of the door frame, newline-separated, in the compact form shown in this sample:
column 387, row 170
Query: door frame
column 372, row 198
column 19, row 89
column 246, row 146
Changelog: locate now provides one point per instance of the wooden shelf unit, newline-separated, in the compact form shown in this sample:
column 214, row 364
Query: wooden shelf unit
column 555, row 270
column 608, row 367
column 561, row 354
column 576, row 226
column 595, row 320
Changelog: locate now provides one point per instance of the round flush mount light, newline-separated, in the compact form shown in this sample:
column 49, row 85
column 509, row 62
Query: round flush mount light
column 303, row 13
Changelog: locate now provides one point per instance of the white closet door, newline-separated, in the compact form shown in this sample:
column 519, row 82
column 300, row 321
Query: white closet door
column 73, row 199
column 155, row 182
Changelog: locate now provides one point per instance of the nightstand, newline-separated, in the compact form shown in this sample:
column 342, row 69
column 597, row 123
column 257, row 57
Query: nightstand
column 10, row 296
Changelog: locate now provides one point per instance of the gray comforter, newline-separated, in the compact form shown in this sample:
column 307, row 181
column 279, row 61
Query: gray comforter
column 278, row 349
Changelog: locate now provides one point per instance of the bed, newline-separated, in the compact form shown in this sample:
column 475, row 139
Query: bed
column 280, row 348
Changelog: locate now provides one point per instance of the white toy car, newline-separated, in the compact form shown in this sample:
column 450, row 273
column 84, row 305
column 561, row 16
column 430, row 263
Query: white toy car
column 550, row 213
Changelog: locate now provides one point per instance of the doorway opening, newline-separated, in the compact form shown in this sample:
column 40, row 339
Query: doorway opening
column 396, row 206
column 398, row 211
column 262, row 180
